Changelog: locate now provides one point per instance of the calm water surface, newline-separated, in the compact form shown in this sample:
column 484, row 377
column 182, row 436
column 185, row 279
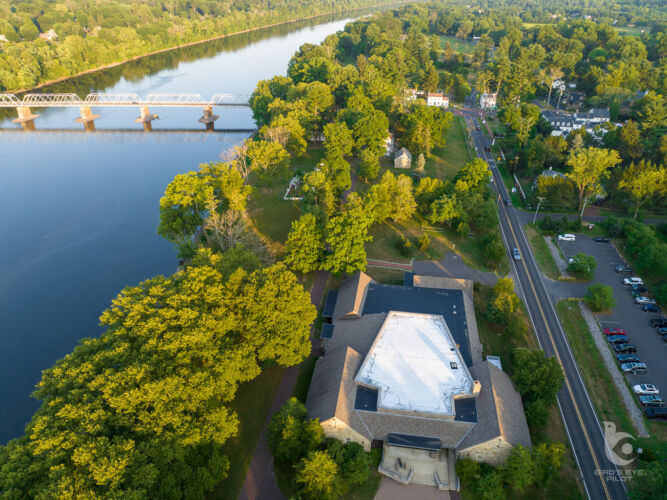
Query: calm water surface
column 79, row 211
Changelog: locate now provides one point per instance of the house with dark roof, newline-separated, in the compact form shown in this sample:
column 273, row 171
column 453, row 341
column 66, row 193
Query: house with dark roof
column 403, row 370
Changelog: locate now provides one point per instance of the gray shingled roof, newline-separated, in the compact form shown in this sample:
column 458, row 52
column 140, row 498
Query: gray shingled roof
column 403, row 152
column 351, row 296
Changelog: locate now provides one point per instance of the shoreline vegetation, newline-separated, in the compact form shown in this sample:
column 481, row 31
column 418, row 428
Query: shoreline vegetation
column 203, row 41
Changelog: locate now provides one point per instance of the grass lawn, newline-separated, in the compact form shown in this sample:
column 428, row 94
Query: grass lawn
column 628, row 30
column 495, row 342
column 458, row 45
column 303, row 382
column 252, row 403
column 541, row 251
column 445, row 162
column 386, row 276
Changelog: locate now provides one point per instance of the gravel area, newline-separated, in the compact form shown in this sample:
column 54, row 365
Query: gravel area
column 562, row 265
column 616, row 375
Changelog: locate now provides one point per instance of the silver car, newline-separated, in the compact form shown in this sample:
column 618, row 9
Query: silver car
column 634, row 367
column 515, row 254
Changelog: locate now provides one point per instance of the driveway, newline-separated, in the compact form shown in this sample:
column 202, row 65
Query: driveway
column 452, row 267
column 651, row 349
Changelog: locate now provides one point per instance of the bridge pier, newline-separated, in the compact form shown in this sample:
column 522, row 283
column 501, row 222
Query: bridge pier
column 26, row 118
column 209, row 118
column 146, row 118
column 87, row 118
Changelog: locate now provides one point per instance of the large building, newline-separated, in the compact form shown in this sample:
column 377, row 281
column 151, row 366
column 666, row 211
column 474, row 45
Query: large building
column 563, row 123
column 437, row 99
column 488, row 101
column 403, row 370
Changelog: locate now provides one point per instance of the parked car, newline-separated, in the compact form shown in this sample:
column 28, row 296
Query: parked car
column 662, row 330
column 639, row 288
column 643, row 389
column 664, row 338
column 651, row 308
column 644, row 300
column 601, row 239
column 657, row 322
column 623, row 269
column 614, row 331
column 651, row 400
column 567, row 237
column 634, row 367
column 617, row 339
column 636, row 293
column 624, row 347
column 515, row 254
column 656, row 412
column 635, row 280
column 628, row 358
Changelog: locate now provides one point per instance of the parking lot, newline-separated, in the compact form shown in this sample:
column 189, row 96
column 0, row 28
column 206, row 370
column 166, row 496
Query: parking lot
column 651, row 349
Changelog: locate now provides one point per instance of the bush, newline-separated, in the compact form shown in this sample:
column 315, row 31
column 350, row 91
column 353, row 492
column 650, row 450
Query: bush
column 405, row 247
column 600, row 297
column 424, row 242
column 291, row 434
column 582, row 266
column 319, row 476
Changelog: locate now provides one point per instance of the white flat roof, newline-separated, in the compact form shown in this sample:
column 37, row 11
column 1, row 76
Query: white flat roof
column 411, row 364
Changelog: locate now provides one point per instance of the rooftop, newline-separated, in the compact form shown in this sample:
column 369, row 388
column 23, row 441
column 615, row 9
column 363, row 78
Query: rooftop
column 415, row 365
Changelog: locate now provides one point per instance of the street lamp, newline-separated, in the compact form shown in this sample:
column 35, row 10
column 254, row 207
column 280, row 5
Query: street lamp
column 540, row 199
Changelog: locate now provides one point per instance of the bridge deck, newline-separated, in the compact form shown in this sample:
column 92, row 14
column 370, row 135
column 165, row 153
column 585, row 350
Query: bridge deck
column 126, row 100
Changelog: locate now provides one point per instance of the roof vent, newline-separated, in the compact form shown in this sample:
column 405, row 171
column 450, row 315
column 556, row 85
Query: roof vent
column 453, row 365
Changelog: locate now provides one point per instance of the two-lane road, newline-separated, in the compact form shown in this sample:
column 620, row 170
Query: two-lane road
column 599, row 474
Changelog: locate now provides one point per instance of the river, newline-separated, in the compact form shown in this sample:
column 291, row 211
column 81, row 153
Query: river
column 79, row 210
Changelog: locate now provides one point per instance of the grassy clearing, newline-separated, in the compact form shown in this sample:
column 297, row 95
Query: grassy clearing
column 606, row 399
column 251, row 404
column 303, row 382
column 386, row 276
column 445, row 162
column 496, row 342
column 628, row 30
column 541, row 251
column 458, row 45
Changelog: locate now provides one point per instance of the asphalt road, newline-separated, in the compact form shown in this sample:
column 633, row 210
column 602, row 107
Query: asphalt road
column 599, row 474
column 651, row 348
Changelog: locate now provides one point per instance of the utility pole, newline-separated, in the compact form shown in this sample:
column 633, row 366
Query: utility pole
column 540, row 199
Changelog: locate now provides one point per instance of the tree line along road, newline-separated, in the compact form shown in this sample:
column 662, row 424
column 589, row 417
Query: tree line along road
column 600, row 475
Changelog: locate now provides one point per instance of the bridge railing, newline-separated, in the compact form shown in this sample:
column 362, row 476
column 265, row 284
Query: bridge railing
column 9, row 99
column 122, row 99
column 166, row 99
column 45, row 100
column 113, row 99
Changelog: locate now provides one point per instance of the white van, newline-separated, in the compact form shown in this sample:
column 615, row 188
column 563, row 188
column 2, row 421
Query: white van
column 566, row 237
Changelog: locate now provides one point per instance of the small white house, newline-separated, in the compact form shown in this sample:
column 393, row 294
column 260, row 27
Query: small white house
column 437, row 99
column 3, row 38
column 412, row 94
column 49, row 35
column 403, row 159
column 488, row 101
column 389, row 144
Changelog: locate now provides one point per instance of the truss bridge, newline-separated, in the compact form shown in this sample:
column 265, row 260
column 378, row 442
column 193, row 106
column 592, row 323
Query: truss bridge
column 26, row 117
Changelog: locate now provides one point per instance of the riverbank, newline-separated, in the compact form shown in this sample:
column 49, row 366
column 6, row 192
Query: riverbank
column 373, row 8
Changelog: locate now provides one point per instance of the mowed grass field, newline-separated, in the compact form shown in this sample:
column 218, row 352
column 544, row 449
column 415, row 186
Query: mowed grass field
column 458, row 45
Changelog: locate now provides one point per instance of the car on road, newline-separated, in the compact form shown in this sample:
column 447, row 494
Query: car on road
column 628, row 358
column 623, row 269
column 567, row 237
column 601, row 239
column 634, row 367
column 656, row 412
column 644, row 300
column 508, row 202
column 657, row 322
column 614, row 331
column 635, row 280
column 651, row 308
column 624, row 347
column 651, row 400
column 643, row 389
column 516, row 255
column 617, row 339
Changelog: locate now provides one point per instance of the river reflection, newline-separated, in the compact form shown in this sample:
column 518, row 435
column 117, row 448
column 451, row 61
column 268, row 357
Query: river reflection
column 79, row 211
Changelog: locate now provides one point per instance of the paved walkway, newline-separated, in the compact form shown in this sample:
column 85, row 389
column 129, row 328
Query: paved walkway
column 560, row 263
column 393, row 490
column 389, row 265
column 260, row 481
column 453, row 267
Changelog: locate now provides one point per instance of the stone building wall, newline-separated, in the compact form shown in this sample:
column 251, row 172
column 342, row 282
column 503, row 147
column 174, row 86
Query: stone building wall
column 338, row 429
column 492, row 452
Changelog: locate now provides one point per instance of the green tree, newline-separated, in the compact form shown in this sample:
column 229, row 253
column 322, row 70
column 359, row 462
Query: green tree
column 427, row 191
column 304, row 244
column 600, row 297
column 518, row 470
column 266, row 156
column 339, row 141
column 582, row 266
column 354, row 463
column 444, row 209
column 629, row 137
column 651, row 484
column 504, row 302
column 474, row 174
column 369, row 167
column 345, row 235
column 291, row 435
column 588, row 168
column 421, row 162
column 425, row 128
column 548, row 460
column 643, row 181
column 319, row 476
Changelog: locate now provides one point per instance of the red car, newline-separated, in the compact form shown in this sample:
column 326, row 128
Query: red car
column 614, row 331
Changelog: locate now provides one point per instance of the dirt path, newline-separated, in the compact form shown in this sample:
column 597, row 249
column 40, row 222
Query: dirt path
column 260, row 481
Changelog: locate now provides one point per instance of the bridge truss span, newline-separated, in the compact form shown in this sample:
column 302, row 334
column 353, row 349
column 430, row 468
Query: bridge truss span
column 179, row 100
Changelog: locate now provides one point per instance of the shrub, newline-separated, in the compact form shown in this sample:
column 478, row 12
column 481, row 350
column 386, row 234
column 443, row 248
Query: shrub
column 424, row 242
column 582, row 266
column 600, row 297
column 291, row 434
column 405, row 246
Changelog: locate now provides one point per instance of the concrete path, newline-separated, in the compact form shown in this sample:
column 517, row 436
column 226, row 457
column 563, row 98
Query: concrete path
column 560, row 263
column 260, row 481
column 389, row 265
column 453, row 267
column 393, row 490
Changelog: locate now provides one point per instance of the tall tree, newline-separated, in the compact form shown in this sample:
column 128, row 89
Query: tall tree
column 643, row 181
column 319, row 476
column 345, row 236
column 304, row 244
column 589, row 167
